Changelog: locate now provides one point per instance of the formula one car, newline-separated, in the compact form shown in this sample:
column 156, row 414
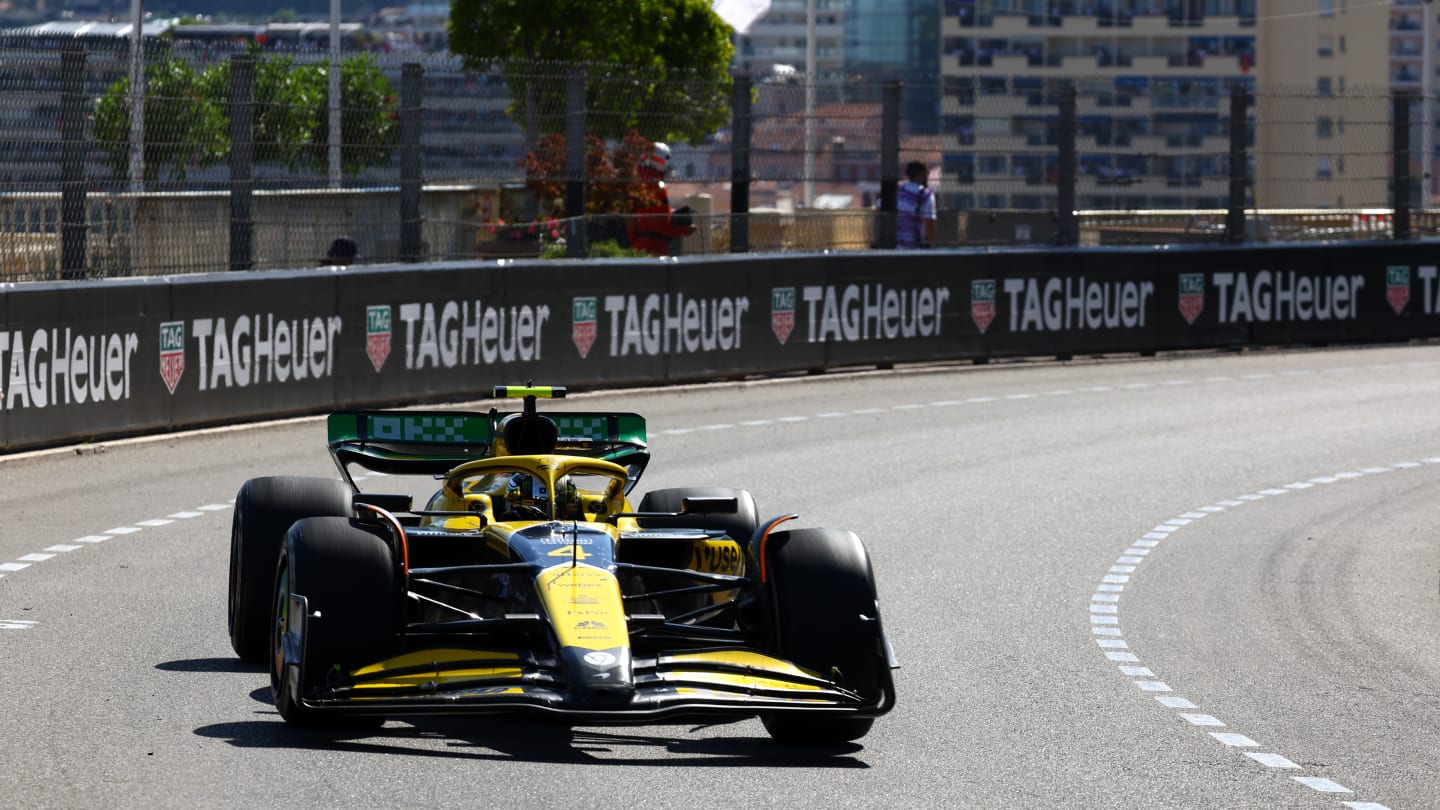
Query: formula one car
column 529, row 584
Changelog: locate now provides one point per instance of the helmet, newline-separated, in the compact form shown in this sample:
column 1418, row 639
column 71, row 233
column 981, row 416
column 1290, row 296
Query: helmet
column 657, row 159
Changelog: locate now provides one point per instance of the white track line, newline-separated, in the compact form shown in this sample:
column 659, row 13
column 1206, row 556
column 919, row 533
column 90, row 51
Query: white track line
column 1105, row 621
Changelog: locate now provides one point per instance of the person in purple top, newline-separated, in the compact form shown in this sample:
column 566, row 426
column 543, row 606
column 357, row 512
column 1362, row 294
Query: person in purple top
column 915, row 209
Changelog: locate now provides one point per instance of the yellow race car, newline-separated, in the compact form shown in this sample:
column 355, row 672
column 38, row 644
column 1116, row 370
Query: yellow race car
column 529, row 583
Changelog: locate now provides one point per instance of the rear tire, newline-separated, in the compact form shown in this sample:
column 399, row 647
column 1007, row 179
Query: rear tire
column 821, row 584
column 739, row 526
column 265, row 508
column 347, row 575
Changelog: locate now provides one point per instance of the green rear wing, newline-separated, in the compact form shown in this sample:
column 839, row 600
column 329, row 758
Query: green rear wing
column 432, row 442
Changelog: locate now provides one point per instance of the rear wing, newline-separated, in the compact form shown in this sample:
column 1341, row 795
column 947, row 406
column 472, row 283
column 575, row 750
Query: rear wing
column 433, row 442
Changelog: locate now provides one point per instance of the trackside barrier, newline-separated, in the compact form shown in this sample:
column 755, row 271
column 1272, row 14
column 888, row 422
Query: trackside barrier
column 82, row 360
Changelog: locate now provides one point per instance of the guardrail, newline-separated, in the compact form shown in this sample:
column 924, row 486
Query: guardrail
column 86, row 360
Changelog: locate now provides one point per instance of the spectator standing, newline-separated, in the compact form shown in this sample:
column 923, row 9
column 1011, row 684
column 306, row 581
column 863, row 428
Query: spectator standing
column 915, row 209
column 654, row 224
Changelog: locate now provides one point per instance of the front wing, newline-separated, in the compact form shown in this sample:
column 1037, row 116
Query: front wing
column 669, row 686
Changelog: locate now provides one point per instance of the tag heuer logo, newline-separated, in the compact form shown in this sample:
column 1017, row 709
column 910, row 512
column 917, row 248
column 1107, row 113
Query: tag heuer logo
column 1192, row 296
column 377, row 335
column 782, row 312
column 982, row 303
column 172, row 353
column 584, row 318
column 1397, row 287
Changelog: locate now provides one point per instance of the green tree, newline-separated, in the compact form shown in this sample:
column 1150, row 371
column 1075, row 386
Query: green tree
column 659, row 66
column 183, row 128
column 369, row 117
column 187, row 116
column 289, row 104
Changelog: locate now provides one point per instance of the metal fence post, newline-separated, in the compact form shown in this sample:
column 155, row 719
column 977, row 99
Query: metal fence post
column 72, row 162
column 889, row 161
column 1235, row 213
column 577, row 233
column 412, row 92
column 1065, row 190
column 242, row 161
column 740, row 168
column 1400, row 134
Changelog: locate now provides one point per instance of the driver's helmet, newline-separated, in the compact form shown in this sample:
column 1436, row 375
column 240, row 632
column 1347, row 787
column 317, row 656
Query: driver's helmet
column 657, row 160
column 567, row 499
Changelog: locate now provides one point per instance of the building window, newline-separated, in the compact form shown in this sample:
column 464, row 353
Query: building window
column 1326, row 8
column 1322, row 85
column 1324, row 127
column 1322, row 166
column 1326, row 47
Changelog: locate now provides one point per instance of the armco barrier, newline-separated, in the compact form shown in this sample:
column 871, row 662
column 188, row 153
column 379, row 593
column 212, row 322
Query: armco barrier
column 81, row 360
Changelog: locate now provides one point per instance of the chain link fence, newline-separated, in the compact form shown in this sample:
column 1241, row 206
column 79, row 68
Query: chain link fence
column 228, row 162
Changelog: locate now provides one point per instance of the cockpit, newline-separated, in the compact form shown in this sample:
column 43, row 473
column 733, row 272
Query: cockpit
column 536, row 488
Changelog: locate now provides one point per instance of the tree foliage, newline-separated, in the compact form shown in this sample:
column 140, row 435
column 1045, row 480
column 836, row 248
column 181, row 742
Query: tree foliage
column 187, row 116
column 659, row 66
column 610, row 183
column 369, row 117
column 183, row 128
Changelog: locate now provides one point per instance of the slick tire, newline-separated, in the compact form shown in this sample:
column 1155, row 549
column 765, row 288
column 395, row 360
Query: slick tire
column 821, row 585
column 739, row 526
column 265, row 508
column 346, row 572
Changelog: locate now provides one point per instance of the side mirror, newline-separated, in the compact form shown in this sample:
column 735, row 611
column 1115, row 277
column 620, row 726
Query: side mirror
column 707, row 505
column 390, row 503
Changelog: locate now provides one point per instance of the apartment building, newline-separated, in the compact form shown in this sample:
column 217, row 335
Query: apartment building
column 1322, row 126
column 777, row 40
column 1409, row 20
column 1153, row 81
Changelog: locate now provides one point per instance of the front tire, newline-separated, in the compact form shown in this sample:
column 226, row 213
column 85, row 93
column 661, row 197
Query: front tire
column 265, row 508
column 826, row 618
column 739, row 526
column 347, row 575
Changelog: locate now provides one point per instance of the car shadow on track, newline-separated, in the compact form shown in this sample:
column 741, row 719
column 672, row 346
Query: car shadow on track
column 518, row 738
column 210, row 665
column 508, row 738
column 650, row 745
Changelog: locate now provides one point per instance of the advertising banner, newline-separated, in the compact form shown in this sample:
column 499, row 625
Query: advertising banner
column 246, row 345
column 81, row 360
column 72, row 364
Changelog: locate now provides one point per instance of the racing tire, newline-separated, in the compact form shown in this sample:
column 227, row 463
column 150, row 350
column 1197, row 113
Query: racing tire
column 265, row 508
column 821, row 585
column 346, row 573
column 739, row 526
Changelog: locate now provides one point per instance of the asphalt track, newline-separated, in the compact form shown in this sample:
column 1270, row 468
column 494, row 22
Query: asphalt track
column 1204, row 581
